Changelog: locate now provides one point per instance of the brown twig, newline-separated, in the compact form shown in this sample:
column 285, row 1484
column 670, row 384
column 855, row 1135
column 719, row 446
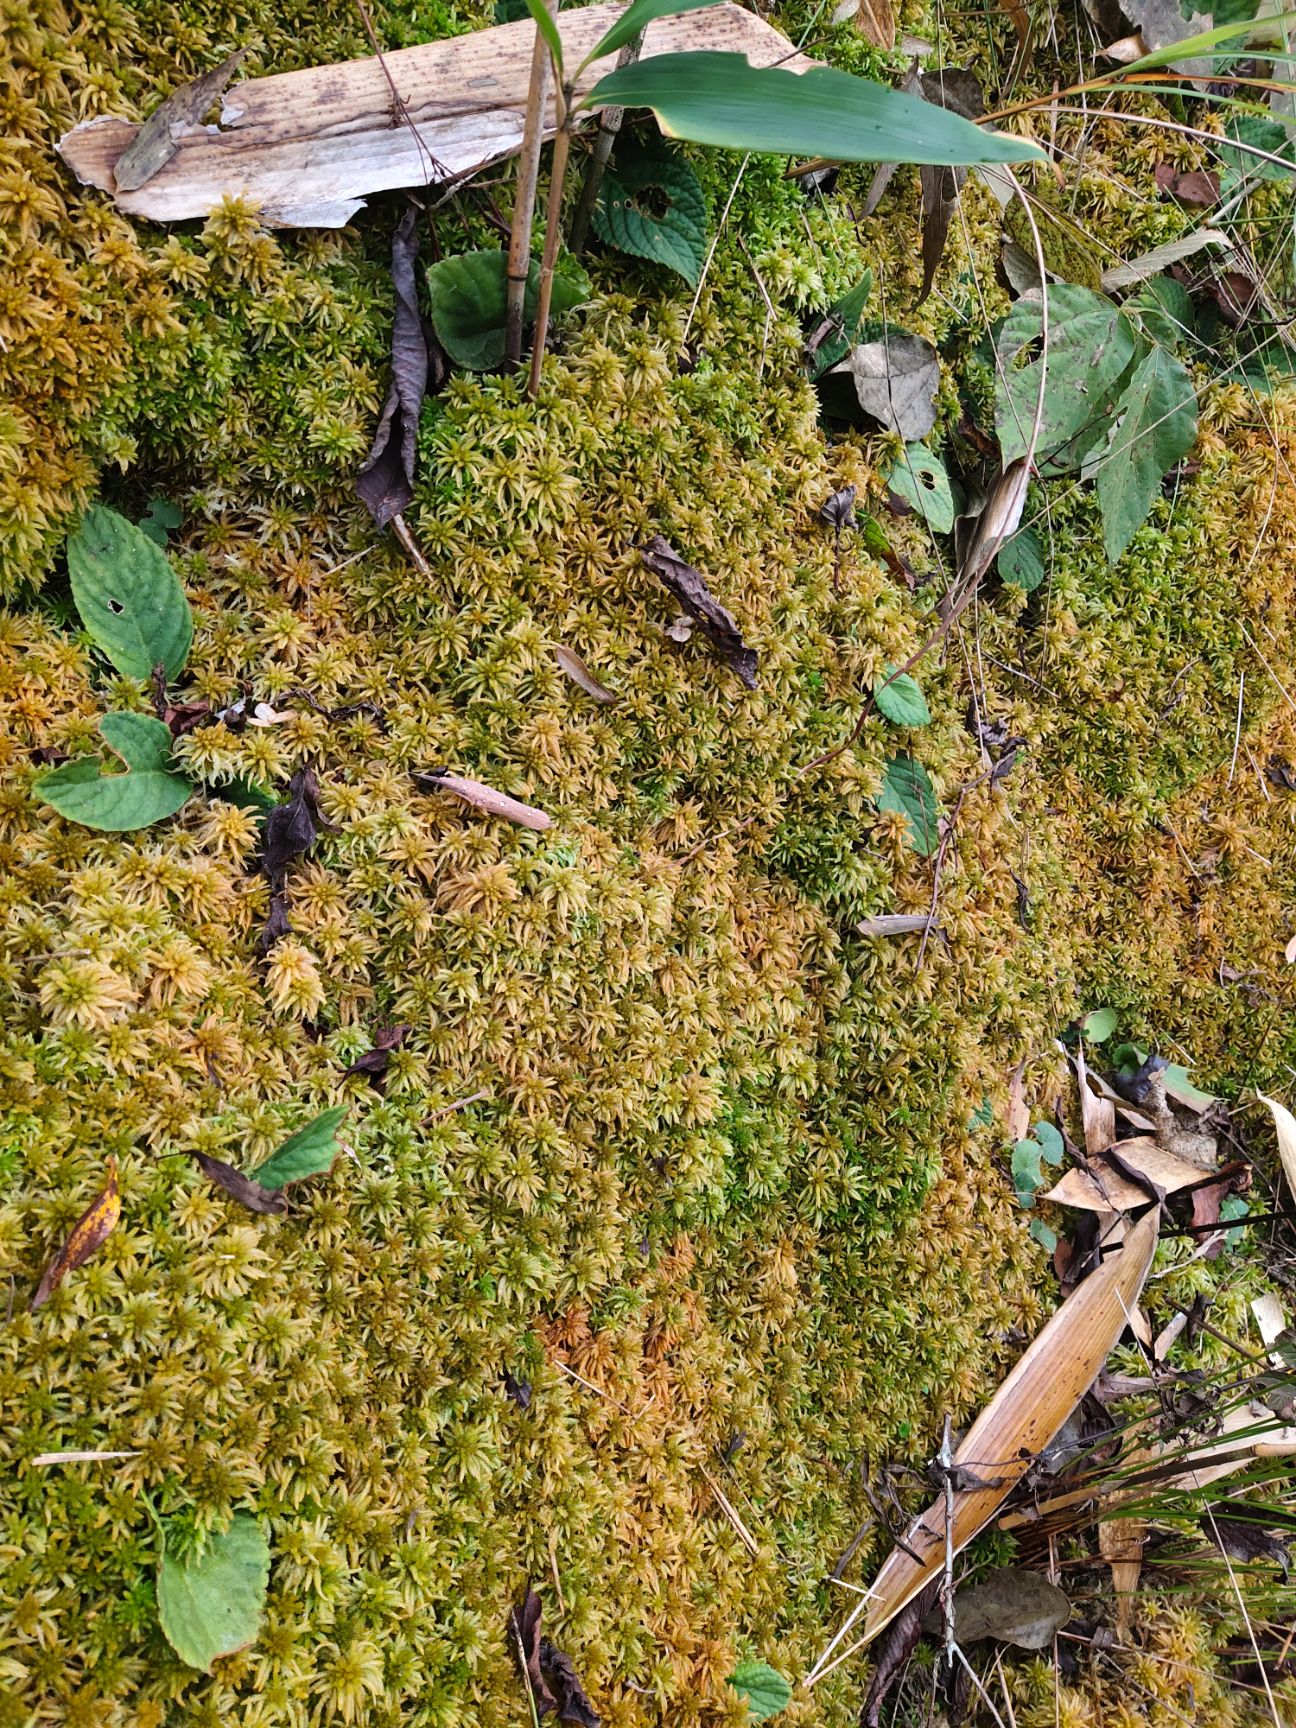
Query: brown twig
column 519, row 256
column 553, row 232
column 609, row 125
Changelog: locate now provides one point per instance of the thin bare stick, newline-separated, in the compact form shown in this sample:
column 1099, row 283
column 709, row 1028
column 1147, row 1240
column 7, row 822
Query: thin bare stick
column 1237, row 730
column 459, row 1104
column 727, row 1507
column 553, row 230
column 609, row 125
column 400, row 528
column 519, row 256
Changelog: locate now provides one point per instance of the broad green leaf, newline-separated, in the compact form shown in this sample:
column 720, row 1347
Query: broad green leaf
column 720, row 99
column 1269, row 136
column 549, row 30
column 160, row 519
column 1091, row 343
column 1164, row 309
column 211, row 1604
column 901, row 701
column 1191, row 47
column 1051, row 1142
column 847, row 318
column 764, row 1688
column 1098, row 1026
column 129, row 597
column 635, row 18
column 1020, row 561
column 468, row 295
column 907, row 789
column 1026, row 1171
column 1046, row 1238
column 119, row 802
column 677, row 236
column 309, row 1152
column 982, row 1116
column 1155, row 424
column 920, row 479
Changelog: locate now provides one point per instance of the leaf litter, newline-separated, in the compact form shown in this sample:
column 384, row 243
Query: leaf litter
column 690, row 588
column 88, row 1235
column 483, row 797
column 550, row 1675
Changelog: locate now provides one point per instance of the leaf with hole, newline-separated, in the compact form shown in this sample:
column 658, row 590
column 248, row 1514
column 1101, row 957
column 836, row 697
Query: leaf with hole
column 900, row 700
column 468, row 295
column 211, row 1603
column 129, row 597
column 908, row 791
column 1091, row 344
column 764, row 1688
column 896, row 379
column 1021, row 561
column 119, row 803
column 652, row 206
column 1155, row 425
column 920, row 479
column 311, row 1151
column 722, row 100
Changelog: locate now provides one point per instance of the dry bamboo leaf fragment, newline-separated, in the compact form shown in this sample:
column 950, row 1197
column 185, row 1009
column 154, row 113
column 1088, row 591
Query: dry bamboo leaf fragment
column 89, row 1234
column 1285, row 1124
column 581, row 676
column 690, row 588
column 483, row 797
column 1023, row 1417
column 158, row 138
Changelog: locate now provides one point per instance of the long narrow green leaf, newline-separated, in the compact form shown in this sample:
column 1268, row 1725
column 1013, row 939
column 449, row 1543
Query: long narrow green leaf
column 636, row 18
column 1192, row 47
column 719, row 99
column 549, row 30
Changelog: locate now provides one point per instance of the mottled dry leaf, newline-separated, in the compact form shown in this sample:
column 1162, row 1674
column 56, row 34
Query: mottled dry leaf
column 1015, row 1606
column 524, row 1630
column 895, row 924
column 240, row 1187
column 690, row 589
column 1120, row 1542
column 581, row 676
column 1126, row 1176
column 483, row 797
column 893, row 1653
column 293, row 827
column 89, row 1234
column 1199, row 187
column 896, row 379
column 157, row 140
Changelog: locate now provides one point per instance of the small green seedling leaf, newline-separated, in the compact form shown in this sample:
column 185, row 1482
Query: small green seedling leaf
column 981, row 1117
column 468, row 295
column 900, row 700
column 129, row 597
column 1051, row 1143
column 764, row 1688
column 1046, row 1238
column 920, row 479
column 675, row 237
column 1098, row 1026
column 211, row 1604
column 1233, row 1207
column 311, row 1151
column 1026, row 1171
column 1021, row 561
column 118, row 803
column 906, row 788
column 846, row 318
column 161, row 519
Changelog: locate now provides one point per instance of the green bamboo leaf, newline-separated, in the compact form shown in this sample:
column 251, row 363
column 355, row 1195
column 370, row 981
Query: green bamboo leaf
column 549, row 30
column 129, row 597
column 309, row 1152
column 468, row 295
column 117, row 803
column 1155, row 424
column 211, row 1604
column 720, row 99
column 900, row 700
column 764, row 1688
column 675, row 238
column 1192, row 47
column 636, row 18
column 907, row 789
column 1091, row 344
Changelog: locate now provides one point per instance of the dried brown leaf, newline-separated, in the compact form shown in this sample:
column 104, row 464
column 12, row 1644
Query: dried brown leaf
column 1127, row 1176
column 375, row 1061
column 898, row 1645
column 690, row 589
column 875, row 21
column 580, row 675
column 1012, row 1605
column 240, row 1187
column 1097, row 1114
column 157, row 140
column 483, row 797
column 293, row 827
column 1120, row 1542
column 1199, row 187
column 1285, row 1126
column 895, row 924
column 89, row 1234
column 524, row 1626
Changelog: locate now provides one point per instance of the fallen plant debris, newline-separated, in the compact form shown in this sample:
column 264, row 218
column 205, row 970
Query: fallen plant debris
column 1013, row 1605
column 1197, row 187
column 898, row 1643
column 376, row 1060
column 581, row 676
column 88, row 1235
column 896, row 379
column 690, row 589
column 482, row 797
column 240, row 1187
column 292, row 827
column 549, row 1674
column 158, row 138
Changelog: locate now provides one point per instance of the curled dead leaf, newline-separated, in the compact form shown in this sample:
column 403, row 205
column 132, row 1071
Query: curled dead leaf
column 690, row 589
column 88, row 1235
column 240, row 1187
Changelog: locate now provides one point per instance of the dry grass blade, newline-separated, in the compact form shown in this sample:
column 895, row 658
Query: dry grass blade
column 43, row 1458
column 1022, row 1418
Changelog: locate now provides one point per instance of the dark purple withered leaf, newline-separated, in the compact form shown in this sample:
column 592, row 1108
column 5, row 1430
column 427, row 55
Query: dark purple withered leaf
column 386, row 481
column 276, row 924
column 518, row 1390
column 524, row 1637
column 960, row 92
column 240, row 1187
column 690, row 589
column 895, row 1647
column 374, row 1061
column 293, row 827
column 573, row 1704
column 838, row 509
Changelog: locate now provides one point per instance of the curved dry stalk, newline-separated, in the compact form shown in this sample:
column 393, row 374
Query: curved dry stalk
column 553, row 230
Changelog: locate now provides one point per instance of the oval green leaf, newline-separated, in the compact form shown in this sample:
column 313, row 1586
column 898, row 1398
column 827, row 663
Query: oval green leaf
column 907, row 789
column 1021, row 561
column 900, row 701
column 1098, row 1026
column 920, row 479
column 129, row 597
column 677, row 238
column 118, row 803
column 210, row 1605
column 311, row 1151
column 1051, row 1142
column 719, row 99
column 468, row 295
column 764, row 1688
